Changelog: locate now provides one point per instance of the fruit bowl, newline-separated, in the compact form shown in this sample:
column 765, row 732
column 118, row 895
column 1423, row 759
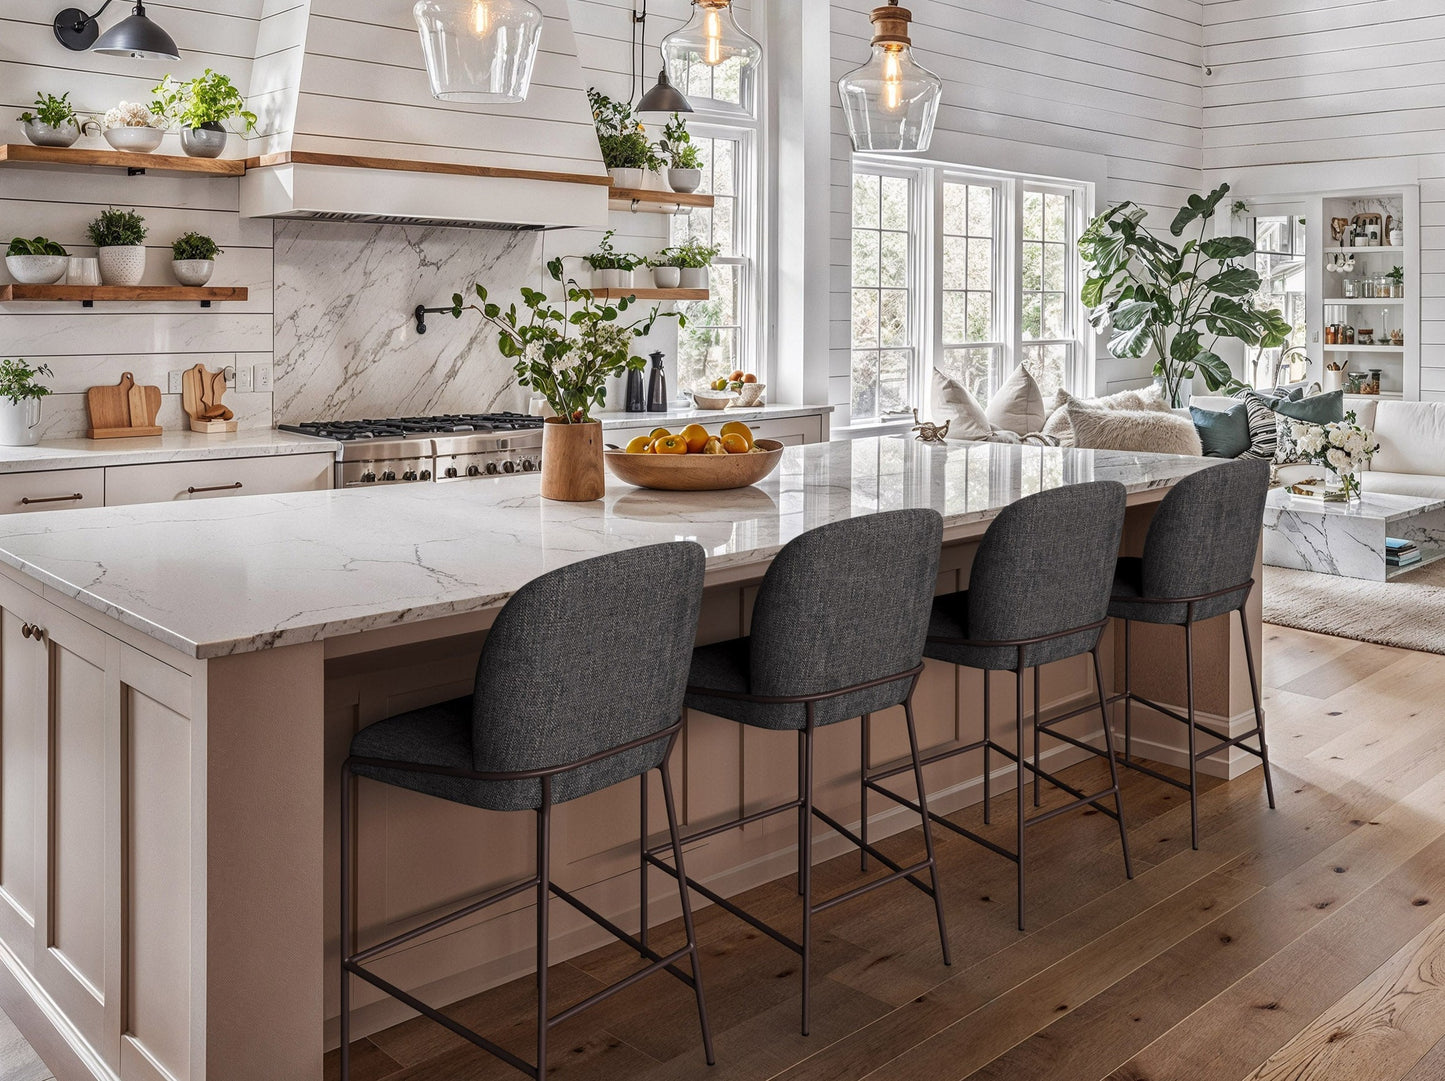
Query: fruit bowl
column 713, row 399
column 696, row 472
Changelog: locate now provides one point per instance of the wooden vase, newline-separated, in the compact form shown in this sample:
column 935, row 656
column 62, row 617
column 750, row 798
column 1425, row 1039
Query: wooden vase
column 572, row 469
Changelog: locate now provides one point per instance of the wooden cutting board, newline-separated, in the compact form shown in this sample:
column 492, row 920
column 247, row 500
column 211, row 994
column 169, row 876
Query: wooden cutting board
column 124, row 411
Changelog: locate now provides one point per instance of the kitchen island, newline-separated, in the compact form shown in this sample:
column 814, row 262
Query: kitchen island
column 181, row 682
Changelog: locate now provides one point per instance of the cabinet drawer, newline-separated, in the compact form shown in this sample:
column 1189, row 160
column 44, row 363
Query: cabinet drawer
column 217, row 478
column 790, row 431
column 54, row 489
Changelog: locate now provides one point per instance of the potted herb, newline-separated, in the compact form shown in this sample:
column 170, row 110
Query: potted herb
column 132, row 127
column 40, row 261
column 666, row 274
column 201, row 109
column 567, row 353
column 692, row 260
column 1397, row 281
column 193, row 259
column 1175, row 302
column 612, row 269
column 627, row 153
column 20, row 398
column 53, row 123
column 120, row 237
column 684, row 171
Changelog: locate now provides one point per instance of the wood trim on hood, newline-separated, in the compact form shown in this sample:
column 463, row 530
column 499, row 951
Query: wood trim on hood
column 405, row 165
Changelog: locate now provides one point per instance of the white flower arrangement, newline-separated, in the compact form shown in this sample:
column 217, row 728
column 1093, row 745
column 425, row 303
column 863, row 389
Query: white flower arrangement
column 1342, row 446
column 129, row 114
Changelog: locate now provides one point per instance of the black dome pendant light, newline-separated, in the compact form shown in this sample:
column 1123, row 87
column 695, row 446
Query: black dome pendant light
column 135, row 36
column 664, row 99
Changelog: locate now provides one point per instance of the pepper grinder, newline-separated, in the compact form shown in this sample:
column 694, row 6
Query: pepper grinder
column 636, row 396
column 657, row 387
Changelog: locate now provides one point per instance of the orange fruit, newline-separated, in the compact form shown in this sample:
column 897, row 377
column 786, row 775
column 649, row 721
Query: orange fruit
column 657, row 433
column 738, row 428
column 640, row 445
column 750, row 378
column 670, row 444
column 696, row 436
column 737, row 376
column 735, row 444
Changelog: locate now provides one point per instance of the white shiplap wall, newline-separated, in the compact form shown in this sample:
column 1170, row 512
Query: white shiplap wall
column 86, row 347
column 1042, row 81
column 1344, row 94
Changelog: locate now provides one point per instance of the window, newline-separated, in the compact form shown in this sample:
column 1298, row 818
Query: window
column 1280, row 245
column 986, row 262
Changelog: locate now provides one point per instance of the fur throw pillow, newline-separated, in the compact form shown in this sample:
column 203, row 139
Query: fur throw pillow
column 1019, row 405
column 1133, row 429
column 952, row 403
column 1143, row 398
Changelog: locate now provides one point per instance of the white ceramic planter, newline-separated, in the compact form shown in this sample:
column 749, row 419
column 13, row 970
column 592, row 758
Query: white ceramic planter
column 627, row 178
column 19, row 422
column 694, row 277
column 686, row 181
column 37, row 269
column 667, row 277
column 207, row 141
column 134, row 140
column 48, row 135
column 612, row 279
column 122, row 265
column 193, row 272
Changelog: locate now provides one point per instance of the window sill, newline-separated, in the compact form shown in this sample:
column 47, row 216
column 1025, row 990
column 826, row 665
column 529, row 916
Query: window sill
column 866, row 429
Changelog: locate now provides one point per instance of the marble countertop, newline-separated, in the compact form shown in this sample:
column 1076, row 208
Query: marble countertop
column 688, row 415
column 172, row 446
column 217, row 577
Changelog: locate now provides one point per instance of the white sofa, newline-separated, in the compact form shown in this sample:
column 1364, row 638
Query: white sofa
column 1411, row 458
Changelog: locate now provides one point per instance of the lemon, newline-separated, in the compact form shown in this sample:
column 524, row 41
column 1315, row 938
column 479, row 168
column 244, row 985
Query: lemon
column 739, row 429
column 696, row 436
column 670, row 444
column 640, row 445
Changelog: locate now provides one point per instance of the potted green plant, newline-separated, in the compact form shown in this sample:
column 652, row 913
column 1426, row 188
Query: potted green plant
column 193, row 258
column 627, row 153
column 40, row 261
column 666, row 274
column 119, row 236
column 1397, row 281
column 53, row 123
column 20, row 398
column 611, row 269
column 1175, row 302
column 684, row 171
column 201, row 108
column 132, row 127
column 692, row 260
column 567, row 353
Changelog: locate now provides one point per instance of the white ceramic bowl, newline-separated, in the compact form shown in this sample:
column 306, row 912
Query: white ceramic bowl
column 713, row 399
column 134, row 140
column 37, row 269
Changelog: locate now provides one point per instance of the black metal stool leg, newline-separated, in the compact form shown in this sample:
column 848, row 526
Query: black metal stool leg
column 1128, row 694
column 642, row 870
column 1113, row 763
column 805, row 869
column 686, row 913
column 1038, row 712
column 865, row 724
column 347, row 944
column 1019, row 788
column 803, row 823
column 1258, row 707
column 927, row 831
column 544, row 893
column 987, row 744
column 1193, row 761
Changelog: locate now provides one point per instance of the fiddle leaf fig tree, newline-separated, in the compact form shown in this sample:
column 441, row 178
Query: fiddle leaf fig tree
column 1175, row 301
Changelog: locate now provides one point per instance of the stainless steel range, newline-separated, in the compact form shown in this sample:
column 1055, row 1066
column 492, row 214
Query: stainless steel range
column 428, row 450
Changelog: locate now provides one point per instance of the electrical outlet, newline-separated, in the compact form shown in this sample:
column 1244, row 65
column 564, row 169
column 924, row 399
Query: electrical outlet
column 262, row 380
column 243, row 380
column 174, row 386
column 230, row 376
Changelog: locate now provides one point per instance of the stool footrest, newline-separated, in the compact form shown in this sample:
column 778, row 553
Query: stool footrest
column 622, row 936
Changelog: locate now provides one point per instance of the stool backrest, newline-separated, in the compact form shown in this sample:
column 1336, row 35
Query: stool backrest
column 585, row 658
column 846, row 603
column 1046, row 564
column 1205, row 534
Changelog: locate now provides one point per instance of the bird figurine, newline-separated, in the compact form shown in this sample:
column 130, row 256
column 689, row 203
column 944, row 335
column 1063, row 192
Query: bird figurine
column 929, row 432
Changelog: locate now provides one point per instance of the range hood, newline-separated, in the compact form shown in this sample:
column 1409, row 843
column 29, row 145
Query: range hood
column 358, row 137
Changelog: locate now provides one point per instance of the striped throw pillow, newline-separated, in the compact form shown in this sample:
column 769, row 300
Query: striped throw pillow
column 1263, row 429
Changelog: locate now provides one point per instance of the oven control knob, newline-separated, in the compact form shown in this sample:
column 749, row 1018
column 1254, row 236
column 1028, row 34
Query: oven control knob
column 368, row 478
column 509, row 467
column 492, row 469
column 451, row 473
column 474, row 471
column 410, row 474
column 388, row 475
column 528, row 465
column 426, row 474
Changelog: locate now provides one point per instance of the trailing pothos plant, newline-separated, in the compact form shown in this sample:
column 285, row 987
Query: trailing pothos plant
column 1175, row 301
column 566, row 353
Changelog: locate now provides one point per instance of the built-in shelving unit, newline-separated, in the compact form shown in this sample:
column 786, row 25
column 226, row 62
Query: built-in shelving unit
column 25, row 154
column 652, row 294
column 88, row 295
column 650, row 201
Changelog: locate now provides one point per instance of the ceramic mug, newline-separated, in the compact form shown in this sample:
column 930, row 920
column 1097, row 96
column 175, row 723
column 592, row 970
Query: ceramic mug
column 83, row 272
column 18, row 421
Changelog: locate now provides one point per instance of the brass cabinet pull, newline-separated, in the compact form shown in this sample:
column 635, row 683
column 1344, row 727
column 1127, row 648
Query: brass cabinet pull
column 30, row 630
column 216, row 488
column 76, row 498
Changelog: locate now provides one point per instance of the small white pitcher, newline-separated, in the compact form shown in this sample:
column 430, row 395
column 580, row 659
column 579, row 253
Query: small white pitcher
column 18, row 421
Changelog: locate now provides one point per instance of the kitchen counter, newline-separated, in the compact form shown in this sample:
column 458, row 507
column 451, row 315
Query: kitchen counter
column 265, row 571
column 172, row 446
column 681, row 416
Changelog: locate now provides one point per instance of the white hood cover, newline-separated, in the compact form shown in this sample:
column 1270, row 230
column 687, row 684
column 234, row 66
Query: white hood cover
column 349, row 129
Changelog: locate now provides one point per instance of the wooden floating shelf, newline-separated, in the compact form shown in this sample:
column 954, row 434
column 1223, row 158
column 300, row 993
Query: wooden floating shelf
column 1364, row 349
column 650, row 201
column 89, row 294
column 652, row 294
column 25, row 154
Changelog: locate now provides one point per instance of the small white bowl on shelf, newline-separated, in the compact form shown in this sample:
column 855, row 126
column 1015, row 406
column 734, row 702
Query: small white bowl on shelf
column 134, row 140
column 713, row 399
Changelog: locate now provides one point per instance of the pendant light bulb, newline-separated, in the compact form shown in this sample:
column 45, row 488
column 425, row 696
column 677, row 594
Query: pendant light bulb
column 481, row 18
column 713, row 31
column 479, row 51
column 891, row 102
column 711, row 50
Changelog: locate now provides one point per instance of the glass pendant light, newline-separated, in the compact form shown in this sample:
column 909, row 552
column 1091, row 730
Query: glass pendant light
column 712, row 39
column 479, row 50
column 891, row 102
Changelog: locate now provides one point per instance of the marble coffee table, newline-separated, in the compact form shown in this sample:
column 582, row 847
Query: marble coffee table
column 1348, row 539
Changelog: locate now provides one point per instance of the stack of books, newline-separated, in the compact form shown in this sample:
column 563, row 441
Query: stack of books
column 1400, row 553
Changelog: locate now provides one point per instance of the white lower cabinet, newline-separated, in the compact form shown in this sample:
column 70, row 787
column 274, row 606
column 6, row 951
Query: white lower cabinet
column 51, row 489
column 212, row 478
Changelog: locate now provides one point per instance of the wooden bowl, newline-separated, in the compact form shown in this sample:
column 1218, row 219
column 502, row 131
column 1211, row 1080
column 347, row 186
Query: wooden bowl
column 695, row 472
column 713, row 399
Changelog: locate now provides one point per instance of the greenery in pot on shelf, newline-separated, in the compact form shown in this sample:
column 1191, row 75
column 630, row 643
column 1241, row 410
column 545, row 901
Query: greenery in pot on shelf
column 53, row 123
column 692, row 260
column 1164, row 299
column 621, row 136
column 193, row 258
column 566, row 353
column 684, row 172
column 17, row 381
column 612, row 269
column 38, row 246
column 38, row 261
column 20, row 408
column 201, row 109
column 119, row 235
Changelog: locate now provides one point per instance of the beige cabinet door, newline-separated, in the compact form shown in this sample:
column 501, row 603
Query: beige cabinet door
column 22, row 769
column 51, row 489
column 165, row 482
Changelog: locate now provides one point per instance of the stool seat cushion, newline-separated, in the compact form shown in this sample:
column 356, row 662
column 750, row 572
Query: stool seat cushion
column 1129, row 588
column 948, row 634
column 726, row 666
column 438, row 735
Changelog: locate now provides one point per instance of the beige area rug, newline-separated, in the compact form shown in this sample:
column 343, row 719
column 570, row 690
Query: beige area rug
column 1408, row 612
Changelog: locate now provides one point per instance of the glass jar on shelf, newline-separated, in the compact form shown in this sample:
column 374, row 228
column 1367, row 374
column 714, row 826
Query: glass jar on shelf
column 1371, row 384
column 1350, row 288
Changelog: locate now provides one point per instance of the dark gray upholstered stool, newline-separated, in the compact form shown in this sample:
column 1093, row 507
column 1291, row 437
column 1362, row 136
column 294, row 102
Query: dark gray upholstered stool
column 1198, row 564
column 559, row 712
column 1038, row 592
column 837, row 632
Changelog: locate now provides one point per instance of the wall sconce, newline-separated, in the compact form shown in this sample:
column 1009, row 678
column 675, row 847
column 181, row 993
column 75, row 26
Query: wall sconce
column 136, row 36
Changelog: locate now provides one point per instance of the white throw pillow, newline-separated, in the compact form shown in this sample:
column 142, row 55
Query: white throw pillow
column 954, row 405
column 1133, row 429
column 1019, row 405
column 1143, row 398
column 1411, row 437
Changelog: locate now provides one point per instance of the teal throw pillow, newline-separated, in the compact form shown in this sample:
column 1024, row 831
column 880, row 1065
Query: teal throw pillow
column 1320, row 409
column 1223, row 435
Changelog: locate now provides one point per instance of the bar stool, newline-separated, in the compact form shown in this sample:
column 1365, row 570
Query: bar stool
column 1198, row 563
column 1038, row 592
column 559, row 711
column 837, row 632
